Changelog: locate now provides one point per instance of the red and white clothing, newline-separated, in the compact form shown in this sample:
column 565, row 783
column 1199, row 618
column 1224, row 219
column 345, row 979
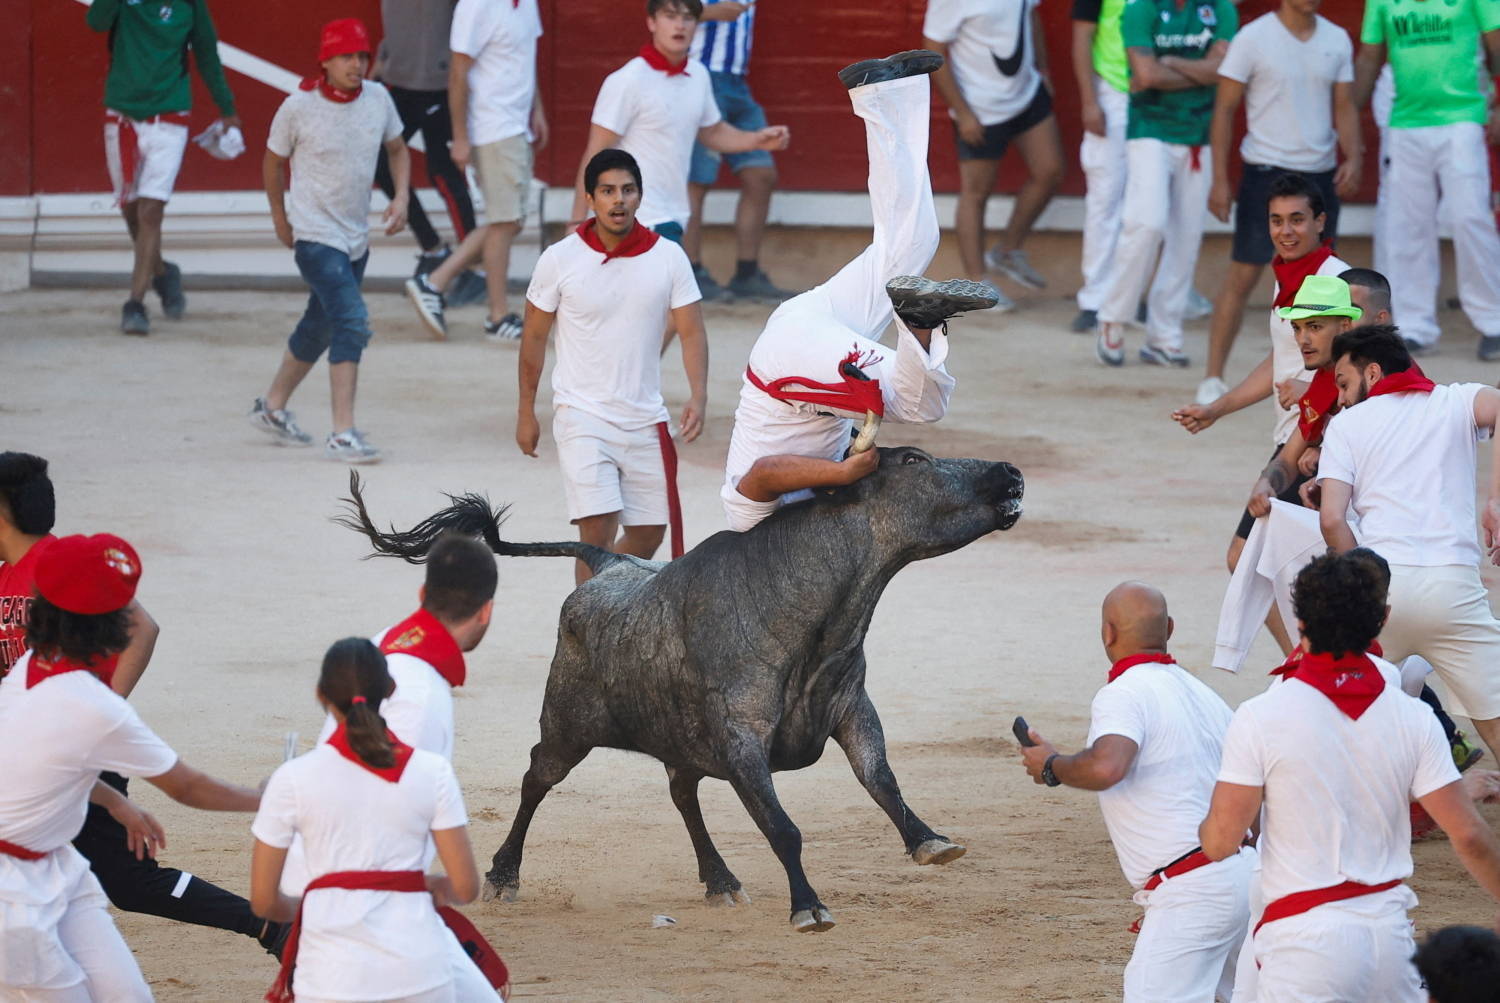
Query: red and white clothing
column 1337, row 788
column 811, row 334
column 17, row 592
column 1410, row 458
column 657, row 110
column 57, row 732
column 144, row 157
column 1196, row 919
column 1286, row 357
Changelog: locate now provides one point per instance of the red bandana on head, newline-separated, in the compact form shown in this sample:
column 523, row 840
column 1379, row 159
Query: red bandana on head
column 41, row 668
column 1352, row 682
column 422, row 636
column 1289, row 274
column 654, row 59
column 1126, row 664
column 1317, row 406
column 1412, row 380
column 329, row 91
column 639, row 240
column 340, row 741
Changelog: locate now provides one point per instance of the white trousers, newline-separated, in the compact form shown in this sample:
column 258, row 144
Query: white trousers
column 1380, row 239
column 1103, row 162
column 1357, row 949
column 1191, row 934
column 1448, row 162
column 143, row 158
column 1444, row 615
column 1166, row 196
column 468, row 984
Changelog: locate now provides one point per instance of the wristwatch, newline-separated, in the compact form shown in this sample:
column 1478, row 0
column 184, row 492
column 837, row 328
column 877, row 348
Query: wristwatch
column 1048, row 777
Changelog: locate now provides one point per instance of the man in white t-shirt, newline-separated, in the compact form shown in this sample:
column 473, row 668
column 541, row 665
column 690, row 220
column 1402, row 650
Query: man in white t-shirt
column 1328, row 762
column 654, row 107
column 331, row 132
column 1295, row 72
column 497, row 116
column 993, row 83
column 1402, row 453
column 611, row 287
column 1153, row 750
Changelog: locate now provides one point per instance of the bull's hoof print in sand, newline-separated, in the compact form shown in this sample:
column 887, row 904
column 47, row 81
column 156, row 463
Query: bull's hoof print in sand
column 812, row 920
column 727, row 899
column 938, row 851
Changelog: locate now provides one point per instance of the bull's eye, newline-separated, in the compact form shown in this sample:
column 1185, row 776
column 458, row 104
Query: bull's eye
column 912, row 458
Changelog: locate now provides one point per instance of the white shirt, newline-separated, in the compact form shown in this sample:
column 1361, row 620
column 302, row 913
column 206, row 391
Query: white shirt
column 1289, row 91
column 1410, row 458
column 657, row 118
column 1286, row 357
column 991, row 51
column 55, row 738
column 333, row 147
column 362, row 944
column 1336, row 790
column 500, row 37
column 1178, row 724
column 610, row 316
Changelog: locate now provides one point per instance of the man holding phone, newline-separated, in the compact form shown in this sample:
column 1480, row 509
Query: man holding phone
column 1153, row 756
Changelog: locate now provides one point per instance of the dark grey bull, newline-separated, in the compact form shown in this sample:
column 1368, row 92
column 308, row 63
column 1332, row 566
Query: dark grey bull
column 744, row 656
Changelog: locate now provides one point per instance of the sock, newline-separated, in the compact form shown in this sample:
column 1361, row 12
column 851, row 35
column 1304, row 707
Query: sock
column 744, row 269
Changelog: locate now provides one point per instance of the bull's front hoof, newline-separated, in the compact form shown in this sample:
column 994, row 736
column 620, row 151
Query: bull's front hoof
column 812, row 920
column 737, row 897
column 492, row 891
column 938, row 851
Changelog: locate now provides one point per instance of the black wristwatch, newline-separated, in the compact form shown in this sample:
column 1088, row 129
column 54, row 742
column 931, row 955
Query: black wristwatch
column 1048, row 777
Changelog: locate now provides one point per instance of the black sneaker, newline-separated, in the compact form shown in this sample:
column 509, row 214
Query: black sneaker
column 507, row 328
column 1084, row 321
column 429, row 304
column 758, row 287
column 428, row 260
column 926, row 303
column 911, row 63
column 133, row 318
column 711, row 290
column 467, row 288
column 1489, row 347
column 168, row 286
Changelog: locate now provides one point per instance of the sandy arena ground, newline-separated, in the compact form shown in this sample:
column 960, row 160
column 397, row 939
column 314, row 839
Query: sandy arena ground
column 250, row 582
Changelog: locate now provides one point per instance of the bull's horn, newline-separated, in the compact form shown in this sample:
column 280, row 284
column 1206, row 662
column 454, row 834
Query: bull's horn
column 866, row 438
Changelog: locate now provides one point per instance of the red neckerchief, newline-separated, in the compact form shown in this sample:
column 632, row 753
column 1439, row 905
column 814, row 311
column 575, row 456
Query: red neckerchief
column 40, row 668
column 1293, row 660
column 329, row 91
column 1412, row 380
column 421, row 635
column 1351, row 682
column 639, row 240
column 654, row 59
column 1317, row 406
column 1125, row 664
column 340, row 741
column 1289, row 274
column 853, row 394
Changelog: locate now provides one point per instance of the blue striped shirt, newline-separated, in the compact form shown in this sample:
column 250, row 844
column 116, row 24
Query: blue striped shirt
column 724, row 46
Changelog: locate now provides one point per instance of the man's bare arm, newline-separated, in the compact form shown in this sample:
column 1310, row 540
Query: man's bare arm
column 689, row 323
column 725, row 138
column 1366, row 71
column 1097, row 768
column 1333, row 514
column 1147, row 73
column 1220, row 132
column 1278, row 475
column 1232, row 813
column 273, row 177
column 770, row 477
column 530, row 360
column 1083, row 76
column 1351, row 144
column 1473, row 841
column 1202, row 72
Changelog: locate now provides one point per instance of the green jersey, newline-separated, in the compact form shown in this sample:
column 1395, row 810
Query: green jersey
column 1187, row 31
column 149, row 43
column 1431, row 46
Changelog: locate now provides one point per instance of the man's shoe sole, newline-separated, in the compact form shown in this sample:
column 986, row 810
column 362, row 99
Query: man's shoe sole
column 414, row 294
column 916, row 294
column 911, row 63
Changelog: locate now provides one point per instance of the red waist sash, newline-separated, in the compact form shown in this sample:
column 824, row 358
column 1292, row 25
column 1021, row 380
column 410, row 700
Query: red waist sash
column 19, row 852
column 1190, row 862
column 1298, row 903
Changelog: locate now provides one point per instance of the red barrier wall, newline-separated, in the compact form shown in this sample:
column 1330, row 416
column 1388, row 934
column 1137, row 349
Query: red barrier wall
column 798, row 48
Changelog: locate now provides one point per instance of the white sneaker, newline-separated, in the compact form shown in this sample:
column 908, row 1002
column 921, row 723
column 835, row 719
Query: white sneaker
column 1015, row 266
column 1198, row 306
column 279, row 425
column 429, row 304
column 350, row 447
column 1210, row 389
column 1109, row 347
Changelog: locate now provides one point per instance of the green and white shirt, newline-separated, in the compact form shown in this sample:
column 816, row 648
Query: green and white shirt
column 1430, row 45
column 1187, row 30
column 148, row 59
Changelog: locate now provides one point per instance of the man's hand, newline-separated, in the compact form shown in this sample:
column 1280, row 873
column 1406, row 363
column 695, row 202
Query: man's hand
column 231, row 121
column 1195, row 417
column 1311, row 494
column 1219, row 199
column 461, row 152
column 1289, row 392
column 1307, row 463
column 395, row 214
column 1490, row 520
column 1093, row 118
column 143, row 834
column 540, row 131
column 857, row 465
column 441, row 890
column 1034, row 757
column 971, row 131
column 773, row 137
column 692, row 418
column 284, row 231
column 1260, row 498
column 528, row 432
column 1346, row 179
column 1482, row 786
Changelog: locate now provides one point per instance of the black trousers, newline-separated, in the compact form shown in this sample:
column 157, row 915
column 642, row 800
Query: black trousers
column 1449, row 728
column 427, row 112
column 145, row 886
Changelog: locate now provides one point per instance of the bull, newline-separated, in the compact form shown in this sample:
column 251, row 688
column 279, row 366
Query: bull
column 742, row 657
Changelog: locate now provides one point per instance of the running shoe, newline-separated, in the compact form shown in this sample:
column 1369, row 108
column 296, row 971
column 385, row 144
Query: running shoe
column 350, row 447
column 1489, row 347
column 507, row 328
column 1464, row 754
column 709, row 287
column 911, row 63
column 1015, row 266
column 168, row 286
column 925, row 304
column 133, row 318
column 1198, row 306
column 1151, row 355
column 1109, row 347
column 757, row 287
column 280, row 425
column 1084, row 321
column 429, row 304
column 1210, row 389
column 427, row 261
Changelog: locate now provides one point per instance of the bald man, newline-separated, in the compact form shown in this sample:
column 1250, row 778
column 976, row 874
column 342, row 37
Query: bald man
column 1153, row 756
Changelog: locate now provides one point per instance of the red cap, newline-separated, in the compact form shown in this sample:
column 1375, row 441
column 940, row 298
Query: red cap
column 343, row 36
column 88, row 574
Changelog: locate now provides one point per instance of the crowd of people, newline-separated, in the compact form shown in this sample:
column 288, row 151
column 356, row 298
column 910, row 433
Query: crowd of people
column 1268, row 845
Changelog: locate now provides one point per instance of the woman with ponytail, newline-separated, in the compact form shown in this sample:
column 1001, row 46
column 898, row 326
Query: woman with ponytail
column 365, row 805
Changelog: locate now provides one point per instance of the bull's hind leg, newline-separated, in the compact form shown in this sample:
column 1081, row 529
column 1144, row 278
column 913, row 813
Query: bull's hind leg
column 722, row 887
column 863, row 741
column 549, row 766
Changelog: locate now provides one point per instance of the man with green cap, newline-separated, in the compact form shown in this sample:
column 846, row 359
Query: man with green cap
column 1321, row 311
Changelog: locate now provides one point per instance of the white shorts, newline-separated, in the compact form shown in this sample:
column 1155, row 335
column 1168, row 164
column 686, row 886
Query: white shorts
column 1443, row 614
column 608, row 469
column 1191, row 934
column 1357, row 949
column 144, row 157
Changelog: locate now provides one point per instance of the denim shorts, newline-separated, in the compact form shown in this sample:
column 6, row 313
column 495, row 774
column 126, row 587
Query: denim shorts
column 732, row 93
column 335, row 320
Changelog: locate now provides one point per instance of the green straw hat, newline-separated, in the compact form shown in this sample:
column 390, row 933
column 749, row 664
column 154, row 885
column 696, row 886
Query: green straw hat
column 1321, row 296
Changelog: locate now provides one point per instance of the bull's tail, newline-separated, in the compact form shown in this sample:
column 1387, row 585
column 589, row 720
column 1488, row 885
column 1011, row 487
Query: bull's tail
column 469, row 514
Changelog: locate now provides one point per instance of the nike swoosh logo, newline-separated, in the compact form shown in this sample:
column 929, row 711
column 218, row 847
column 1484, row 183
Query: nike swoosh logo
column 1011, row 64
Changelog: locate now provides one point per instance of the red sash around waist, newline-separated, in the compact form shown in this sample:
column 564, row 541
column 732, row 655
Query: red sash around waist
column 1191, row 862
column 19, row 852
column 1298, row 903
